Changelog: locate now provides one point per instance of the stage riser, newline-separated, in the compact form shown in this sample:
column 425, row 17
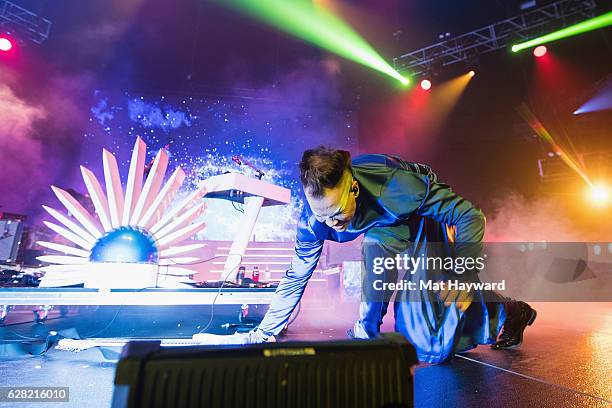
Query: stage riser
column 132, row 321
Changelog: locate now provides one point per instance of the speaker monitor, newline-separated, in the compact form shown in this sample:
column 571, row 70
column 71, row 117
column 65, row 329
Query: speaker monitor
column 358, row 373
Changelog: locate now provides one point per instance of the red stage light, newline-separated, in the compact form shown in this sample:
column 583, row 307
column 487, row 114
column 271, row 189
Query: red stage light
column 539, row 51
column 425, row 84
column 5, row 44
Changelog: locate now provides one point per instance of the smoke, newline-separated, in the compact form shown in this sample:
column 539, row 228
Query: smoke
column 306, row 100
column 17, row 117
column 21, row 152
column 520, row 219
column 104, row 34
column 403, row 123
column 40, row 134
column 93, row 37
column 313, row 83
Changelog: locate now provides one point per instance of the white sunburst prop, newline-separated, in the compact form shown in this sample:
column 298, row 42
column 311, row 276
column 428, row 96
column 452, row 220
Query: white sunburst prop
column 133, row 238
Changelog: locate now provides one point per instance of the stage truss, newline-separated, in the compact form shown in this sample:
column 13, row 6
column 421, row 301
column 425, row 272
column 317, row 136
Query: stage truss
column 502, row 34
column 26, row 24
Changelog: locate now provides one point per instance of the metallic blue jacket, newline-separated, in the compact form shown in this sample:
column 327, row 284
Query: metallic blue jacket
column 392, row 192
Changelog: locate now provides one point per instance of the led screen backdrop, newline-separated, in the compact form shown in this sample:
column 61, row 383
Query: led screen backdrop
column 201, row 134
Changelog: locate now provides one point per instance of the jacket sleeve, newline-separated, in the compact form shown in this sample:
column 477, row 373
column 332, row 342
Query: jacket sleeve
column 409, row 193
column 291, row 287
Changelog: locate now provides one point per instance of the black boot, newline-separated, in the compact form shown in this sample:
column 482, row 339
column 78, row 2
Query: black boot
column 520, row 315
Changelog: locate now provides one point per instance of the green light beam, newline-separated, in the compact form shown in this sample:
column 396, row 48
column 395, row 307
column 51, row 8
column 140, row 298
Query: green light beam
column 593, row 24
column 318, row 26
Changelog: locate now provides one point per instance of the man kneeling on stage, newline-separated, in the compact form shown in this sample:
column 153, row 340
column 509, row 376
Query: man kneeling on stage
column 401, row 208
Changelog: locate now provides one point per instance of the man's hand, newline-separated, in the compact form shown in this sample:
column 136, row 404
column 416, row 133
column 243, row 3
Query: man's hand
column 252, row 337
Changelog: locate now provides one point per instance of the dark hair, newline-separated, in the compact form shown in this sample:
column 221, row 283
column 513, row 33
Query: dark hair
column 323, row 167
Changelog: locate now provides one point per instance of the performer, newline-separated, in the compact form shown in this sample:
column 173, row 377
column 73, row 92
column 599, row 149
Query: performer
column 400, row 207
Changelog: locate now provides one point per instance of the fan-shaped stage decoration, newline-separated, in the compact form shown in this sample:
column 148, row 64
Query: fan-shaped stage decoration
column 131, row 242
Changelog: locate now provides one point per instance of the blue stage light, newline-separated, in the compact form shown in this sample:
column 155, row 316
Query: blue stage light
column 125, row 244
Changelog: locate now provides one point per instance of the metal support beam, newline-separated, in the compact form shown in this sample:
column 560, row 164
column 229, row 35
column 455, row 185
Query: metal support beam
column 553, row 169
column 502, row 34
column 26, row 24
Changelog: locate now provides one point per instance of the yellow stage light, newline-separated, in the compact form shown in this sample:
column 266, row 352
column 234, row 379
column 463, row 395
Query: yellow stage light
column 599, row 194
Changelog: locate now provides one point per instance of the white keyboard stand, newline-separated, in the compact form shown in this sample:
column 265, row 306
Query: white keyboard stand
column 254, row 194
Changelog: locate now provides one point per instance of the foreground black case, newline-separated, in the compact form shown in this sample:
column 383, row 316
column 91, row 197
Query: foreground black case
column 357, row 373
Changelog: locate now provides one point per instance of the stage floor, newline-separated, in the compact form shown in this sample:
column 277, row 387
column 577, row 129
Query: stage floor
column 564, row 362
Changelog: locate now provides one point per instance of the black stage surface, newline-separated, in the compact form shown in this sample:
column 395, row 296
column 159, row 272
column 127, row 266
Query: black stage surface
column 564, row 362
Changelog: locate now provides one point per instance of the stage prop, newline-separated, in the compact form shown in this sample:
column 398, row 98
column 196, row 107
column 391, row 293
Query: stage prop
column 127, row 251
column 254, row 194
column 131, row 242
column 358, row 373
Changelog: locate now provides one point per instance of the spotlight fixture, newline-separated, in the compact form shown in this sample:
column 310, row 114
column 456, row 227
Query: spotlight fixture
column 5, row 44
column 600, row 194
column 539, row 51
column 472, row 73
column 426, row 84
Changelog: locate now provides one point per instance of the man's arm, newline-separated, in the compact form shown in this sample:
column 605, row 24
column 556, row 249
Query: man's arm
column 291, row 287
column 288, row 294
